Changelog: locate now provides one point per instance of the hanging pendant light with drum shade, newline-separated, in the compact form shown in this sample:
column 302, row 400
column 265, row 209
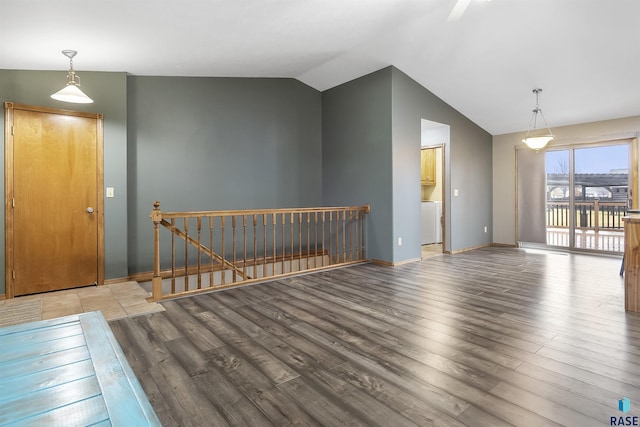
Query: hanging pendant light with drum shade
column 71, row 92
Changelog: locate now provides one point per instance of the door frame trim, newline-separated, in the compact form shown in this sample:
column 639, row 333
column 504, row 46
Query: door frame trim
column 9, row 108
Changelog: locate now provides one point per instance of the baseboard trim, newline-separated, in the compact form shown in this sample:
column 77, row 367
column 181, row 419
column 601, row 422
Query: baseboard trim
column 2, row 296
column 394, row 264
column 118, row 280
column 459, row 251
column 146, row 276
column 503, row 245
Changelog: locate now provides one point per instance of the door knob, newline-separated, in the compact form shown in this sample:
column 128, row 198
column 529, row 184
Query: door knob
column 90, row 209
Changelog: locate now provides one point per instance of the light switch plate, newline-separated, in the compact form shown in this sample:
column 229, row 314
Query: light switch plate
column 110, row 192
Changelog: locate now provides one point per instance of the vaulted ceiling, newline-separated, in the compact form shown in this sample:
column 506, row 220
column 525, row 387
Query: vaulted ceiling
column 584, row 54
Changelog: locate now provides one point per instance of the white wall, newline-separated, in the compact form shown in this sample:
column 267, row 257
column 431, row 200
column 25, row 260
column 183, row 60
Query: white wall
column 434, row 133
column 504, row 171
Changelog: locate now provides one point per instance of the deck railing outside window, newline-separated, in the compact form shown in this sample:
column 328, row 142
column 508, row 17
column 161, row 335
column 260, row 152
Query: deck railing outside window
column 592, row 214
column 209, row 250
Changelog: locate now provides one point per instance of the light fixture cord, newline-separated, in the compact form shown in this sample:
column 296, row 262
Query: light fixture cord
column 534, row 117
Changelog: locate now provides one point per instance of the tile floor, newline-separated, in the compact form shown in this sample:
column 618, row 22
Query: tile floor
column 116, row 301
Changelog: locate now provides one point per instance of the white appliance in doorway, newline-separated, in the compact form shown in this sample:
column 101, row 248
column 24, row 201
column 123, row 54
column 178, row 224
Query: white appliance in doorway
column 431, row 225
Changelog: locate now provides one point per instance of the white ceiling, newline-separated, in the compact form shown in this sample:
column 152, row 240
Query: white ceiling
column 584, row 54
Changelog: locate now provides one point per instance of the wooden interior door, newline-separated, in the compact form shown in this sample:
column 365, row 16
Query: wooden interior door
column 54, row 199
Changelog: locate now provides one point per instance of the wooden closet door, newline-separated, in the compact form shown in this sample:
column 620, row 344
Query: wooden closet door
column 56, row 206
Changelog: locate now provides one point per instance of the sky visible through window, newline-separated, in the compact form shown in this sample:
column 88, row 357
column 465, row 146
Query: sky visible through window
column 589, row 160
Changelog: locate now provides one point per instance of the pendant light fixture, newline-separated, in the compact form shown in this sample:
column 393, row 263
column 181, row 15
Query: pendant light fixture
column 71, row 92
column 537, row 140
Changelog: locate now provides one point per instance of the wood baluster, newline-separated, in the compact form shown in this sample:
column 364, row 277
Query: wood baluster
column 299, row 241
column 308, row 239
column 186, row 254
column 255, row 247
column 353, row 223
column 336, row 250
column 357, row 241
column 173, row 256
column 323, row 248
column 339, row 247
column 224, row 267
column 233, row 246
column 244, row 247
column 291, row 241
column 284, row 245
column 344, row 241
column 156, row 282
column 315, row 239
column 350, row 236
column 211, row 227
column 363, row 216
column 264, row 245
column 330, row 237
column 274, row 222
column 199, row 265
column 363, row 254
column 346, row 236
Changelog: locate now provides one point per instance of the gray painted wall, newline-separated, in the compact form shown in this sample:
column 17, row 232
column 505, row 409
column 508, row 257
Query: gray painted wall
column 109, row 91
column 356, row 154
column 371, row 151
column 407, row 143
column 468, row 168
column 219, row 143
column 371, row 154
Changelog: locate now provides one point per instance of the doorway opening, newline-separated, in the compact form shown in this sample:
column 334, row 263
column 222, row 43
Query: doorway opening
column 435, row 138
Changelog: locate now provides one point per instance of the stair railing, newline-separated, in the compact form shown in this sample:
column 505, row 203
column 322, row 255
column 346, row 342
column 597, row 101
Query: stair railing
column 221, row 249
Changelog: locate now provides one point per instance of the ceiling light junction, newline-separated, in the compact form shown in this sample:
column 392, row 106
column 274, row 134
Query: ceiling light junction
column 537, row 141
column 71, row 92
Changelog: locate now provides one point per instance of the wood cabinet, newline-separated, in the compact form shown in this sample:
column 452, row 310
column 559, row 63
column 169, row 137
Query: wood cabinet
column 428, row 166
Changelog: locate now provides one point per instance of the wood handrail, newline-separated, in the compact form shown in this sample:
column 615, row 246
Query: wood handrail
column 194, row 214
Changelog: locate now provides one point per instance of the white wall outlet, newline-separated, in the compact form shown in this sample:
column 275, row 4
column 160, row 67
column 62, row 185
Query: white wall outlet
column 399, row 241
column 485, row 228
column 455, row 192
column 111, row 192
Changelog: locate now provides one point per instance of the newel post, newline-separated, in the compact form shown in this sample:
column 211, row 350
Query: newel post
column 156, row 282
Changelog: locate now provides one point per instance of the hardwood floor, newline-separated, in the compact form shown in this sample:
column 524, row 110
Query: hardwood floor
column 490, row 337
